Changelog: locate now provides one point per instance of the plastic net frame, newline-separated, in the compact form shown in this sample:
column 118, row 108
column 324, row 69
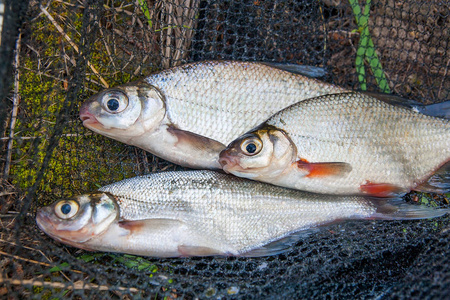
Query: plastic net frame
column 69, row 50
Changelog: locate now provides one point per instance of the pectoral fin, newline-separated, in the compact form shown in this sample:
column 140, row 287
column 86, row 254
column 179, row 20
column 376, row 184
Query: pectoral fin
column 196, row 151
column 324, row 169
column 132, row 226
column 138, row 226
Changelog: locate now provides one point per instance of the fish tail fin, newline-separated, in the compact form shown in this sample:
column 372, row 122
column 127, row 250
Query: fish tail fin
column 438, row 183
column 441, row 110
column 398, row 209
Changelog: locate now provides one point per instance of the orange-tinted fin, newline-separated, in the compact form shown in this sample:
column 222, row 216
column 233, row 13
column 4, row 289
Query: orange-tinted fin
column 380, row 189
column 324, row 169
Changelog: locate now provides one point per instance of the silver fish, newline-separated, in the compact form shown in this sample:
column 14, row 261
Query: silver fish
column 199, row 213
column 187, row 114
column 346, row 143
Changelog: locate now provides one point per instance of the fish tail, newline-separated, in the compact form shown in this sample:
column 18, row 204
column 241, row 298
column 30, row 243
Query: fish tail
column 438, row 183
column 441, row 110
column 398, row 209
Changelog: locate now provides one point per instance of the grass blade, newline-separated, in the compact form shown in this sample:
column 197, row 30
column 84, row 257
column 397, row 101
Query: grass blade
column 366, row 49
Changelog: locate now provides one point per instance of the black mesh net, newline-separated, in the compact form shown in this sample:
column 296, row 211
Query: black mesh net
column 55, row 54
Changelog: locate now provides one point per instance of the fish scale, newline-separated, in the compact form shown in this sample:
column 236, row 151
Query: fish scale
column 187, row 114
column 256, row 212
column 381, row 143
column 224, row 99
column 404, row 149
column 198, row 213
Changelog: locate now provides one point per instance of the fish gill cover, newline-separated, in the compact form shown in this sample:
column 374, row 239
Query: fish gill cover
column 56, row 54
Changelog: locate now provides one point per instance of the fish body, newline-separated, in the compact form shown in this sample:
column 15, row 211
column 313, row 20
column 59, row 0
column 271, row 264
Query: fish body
column 187, row 114
column 346, row 143
column 200, row 213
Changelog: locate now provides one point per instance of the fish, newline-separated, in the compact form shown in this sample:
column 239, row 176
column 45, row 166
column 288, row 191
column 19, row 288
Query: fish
column 344, row 144
column 188, row 114
column 205, row 213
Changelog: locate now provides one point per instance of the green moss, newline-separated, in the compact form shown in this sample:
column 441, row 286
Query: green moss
column 80, row 159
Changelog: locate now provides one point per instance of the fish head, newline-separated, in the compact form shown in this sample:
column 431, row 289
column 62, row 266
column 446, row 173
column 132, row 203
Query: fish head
column 264, row 152
column 125, row 111
column 77, row 220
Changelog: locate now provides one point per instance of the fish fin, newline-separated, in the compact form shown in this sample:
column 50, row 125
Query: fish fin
column 280, row 246
column 393, row 99
column 380, row 189
column 439, row 182
column 135, row 226
column 186, row 251
column 132, row 226
column 324, row 169
column 398, row 209
column 440, row 110
column 309, row 71
column 189, row 142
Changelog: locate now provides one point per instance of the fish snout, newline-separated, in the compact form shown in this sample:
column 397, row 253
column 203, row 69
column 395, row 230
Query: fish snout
column 228, row 161
column 85, row 116
column 43, row 220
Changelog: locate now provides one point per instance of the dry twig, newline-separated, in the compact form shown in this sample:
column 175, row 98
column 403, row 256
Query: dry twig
column 15, row 109
column 77, row 285
column 179, row 30
column 106, row 45
column 59, row 28
column 32, row 261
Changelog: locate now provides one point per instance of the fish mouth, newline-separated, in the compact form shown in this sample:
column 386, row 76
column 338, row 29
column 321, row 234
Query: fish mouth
column 231, row 165
column 86, row 117
column 45, row 223
column 228, row 162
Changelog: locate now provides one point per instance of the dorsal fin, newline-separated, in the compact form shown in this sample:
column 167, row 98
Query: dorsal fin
column 310, row 71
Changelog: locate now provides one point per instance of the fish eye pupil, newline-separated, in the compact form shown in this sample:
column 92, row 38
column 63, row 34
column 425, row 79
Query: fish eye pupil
column 251, row 148
column 66, row 208
column 113, row 104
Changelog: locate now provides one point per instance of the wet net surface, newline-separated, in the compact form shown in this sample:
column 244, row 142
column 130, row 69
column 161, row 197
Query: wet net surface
column 69, row 50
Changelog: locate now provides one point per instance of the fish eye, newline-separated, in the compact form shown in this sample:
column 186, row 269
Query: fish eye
column 251, row 146
column 66, row 209
column 115, row 102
